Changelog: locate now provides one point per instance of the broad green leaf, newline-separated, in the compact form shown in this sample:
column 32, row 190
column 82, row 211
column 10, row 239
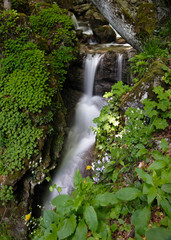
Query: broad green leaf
column 165, row 221
column 128, row 193
column 105, row 199
column 166, row 188
column 78, row 202
column 165, row 68
column 63, row 203
column 81, row 231
column 77, row 179
column 151, row 194
column 146, row 188
column 164, row 145
column 50, row 217
column 61, row 200
column 141, row 152
column 91, row 218
column 50, row 233
column 114, row 227
column 140, row 219
column 157, row 155
column 68, row 227
column 104, row 231
column 158, row 234
column 145, row 176
column 156, row 165
column 166, row 206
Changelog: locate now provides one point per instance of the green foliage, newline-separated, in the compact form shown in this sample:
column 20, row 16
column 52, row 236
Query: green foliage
column 25, row 81
column 10, row 27
column 53, row 23
column 6, row 194
column 158, row 234
column 87, row 207
column 153, row 49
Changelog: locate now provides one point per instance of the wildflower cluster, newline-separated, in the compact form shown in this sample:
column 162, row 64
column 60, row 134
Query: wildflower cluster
column 33, row 165
column 99, row 166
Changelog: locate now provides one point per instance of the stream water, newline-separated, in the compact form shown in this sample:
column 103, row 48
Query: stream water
column 80, row 137
column 119, row 66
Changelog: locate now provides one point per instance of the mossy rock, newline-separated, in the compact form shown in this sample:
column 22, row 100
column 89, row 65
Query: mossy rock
column 104, row 34
column 146, row 19
column 144, row 88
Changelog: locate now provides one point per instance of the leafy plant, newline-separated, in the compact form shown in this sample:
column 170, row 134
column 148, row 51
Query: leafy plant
column 86, row 209
column 6, row 194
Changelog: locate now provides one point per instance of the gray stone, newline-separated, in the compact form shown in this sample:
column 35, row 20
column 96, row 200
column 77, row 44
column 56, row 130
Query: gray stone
column 104, row 34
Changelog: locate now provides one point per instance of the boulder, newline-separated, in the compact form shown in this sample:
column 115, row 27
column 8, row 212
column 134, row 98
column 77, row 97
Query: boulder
column 120, row 41
column 95, row 18
column 104, row 34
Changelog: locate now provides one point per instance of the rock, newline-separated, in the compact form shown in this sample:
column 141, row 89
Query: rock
column 95, row 18
column 146, row 21
column 133, row 1
column 107, row 72
column 144, row 88
column 80, row 10
column 104, row 34
column 62, row 3
column 21, row 6
column 120, row 41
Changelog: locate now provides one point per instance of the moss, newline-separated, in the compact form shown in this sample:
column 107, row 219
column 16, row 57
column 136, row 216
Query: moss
column 146, row 19
column 144, row 87
column 127, row 16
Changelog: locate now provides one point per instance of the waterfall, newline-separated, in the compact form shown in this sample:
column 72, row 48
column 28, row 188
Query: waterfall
column 80, row 137
column 91, row 64
column 75, row 22
column 119, row 63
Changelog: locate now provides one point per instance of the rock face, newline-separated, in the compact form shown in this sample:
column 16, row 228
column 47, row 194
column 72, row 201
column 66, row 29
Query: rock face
column 107, row 71
column 163, row 9
column 143, row 89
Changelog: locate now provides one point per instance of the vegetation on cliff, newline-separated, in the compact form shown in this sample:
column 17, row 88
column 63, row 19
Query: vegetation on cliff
column 35, row 54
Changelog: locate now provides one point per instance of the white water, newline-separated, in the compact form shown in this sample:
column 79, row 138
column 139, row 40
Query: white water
column 75, row 22
column 80, row 137
column 119, row 66
column 80, row 25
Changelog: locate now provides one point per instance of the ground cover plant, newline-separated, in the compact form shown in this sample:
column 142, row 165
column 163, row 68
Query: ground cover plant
column 31, row 78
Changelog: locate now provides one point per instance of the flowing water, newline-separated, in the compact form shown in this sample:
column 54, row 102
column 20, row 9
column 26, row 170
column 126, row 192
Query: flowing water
column 80, row 137
column 119, row 66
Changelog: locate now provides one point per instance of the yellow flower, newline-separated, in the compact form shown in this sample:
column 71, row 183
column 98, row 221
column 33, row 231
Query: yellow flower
column 84, row 182
column 88, row 167
column 27, row 217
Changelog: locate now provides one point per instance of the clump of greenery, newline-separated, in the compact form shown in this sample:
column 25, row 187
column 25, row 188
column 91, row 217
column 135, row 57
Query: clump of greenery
column 26, row 86
column 6, row 194
column 53, row 23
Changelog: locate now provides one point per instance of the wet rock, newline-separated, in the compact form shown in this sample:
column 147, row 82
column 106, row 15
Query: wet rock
column 104, row 34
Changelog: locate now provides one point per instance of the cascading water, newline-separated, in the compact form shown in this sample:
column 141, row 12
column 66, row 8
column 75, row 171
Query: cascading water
column 80, row 137
column 119, row 66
